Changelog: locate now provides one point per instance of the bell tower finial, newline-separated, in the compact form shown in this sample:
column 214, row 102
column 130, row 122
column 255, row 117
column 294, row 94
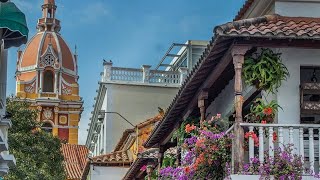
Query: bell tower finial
column 48, row 22
column 49, row 9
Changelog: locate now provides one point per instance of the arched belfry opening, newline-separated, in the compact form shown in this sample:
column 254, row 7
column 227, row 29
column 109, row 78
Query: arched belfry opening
column 48, row 81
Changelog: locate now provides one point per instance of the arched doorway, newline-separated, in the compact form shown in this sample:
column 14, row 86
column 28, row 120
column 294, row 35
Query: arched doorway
column 48, row 82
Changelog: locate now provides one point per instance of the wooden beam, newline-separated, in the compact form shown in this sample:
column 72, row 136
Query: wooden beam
column 217, row 71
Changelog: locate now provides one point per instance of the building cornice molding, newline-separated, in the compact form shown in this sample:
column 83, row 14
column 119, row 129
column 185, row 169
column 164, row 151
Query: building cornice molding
column 141, row 84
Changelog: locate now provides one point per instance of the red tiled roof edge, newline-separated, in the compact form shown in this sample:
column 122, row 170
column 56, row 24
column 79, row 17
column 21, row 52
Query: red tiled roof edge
column 243, row 10
column 74, row 159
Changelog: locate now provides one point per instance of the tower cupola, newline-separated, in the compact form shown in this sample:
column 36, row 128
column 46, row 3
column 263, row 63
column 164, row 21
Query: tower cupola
column 48, row 22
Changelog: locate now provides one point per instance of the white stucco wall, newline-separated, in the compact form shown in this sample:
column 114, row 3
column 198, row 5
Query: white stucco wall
column 224, row 103
column 288, row 95
column 136, row 103
column 106, row 173
column 306, row 8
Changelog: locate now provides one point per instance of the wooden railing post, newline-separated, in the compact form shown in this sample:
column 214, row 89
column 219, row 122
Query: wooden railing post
column 202, row 104
column 160, row 159
column 238, row 53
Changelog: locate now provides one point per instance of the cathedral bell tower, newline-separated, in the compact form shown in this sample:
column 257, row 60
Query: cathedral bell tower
column 47, row 76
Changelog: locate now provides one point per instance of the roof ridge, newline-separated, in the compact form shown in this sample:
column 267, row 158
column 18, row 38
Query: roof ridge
column 219, row 30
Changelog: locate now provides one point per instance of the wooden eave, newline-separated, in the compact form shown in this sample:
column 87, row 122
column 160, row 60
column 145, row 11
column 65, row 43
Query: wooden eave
column 134, row 171
column 185, row 103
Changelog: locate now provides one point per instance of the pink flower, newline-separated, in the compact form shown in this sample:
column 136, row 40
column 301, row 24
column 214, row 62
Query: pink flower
column 218, row 116
column 143, row 168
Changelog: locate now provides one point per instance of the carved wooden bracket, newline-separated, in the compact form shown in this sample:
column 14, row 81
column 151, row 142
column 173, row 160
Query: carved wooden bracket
column 202, row 103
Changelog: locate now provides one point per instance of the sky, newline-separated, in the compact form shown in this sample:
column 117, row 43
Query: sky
column 129, row 32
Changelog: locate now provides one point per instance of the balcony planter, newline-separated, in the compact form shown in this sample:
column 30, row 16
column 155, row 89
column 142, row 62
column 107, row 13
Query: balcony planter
column 262, row 112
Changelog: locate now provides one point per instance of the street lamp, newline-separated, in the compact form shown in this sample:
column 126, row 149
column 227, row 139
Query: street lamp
column 102, row 113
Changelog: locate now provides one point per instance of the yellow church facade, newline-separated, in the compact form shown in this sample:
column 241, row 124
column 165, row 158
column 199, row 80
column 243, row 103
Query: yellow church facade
column 47, row 77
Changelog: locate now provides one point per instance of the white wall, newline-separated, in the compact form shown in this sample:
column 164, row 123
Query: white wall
column 288, row 95
column 310, row 8
column 136, row 103
column 106, row 173
column 224, row 103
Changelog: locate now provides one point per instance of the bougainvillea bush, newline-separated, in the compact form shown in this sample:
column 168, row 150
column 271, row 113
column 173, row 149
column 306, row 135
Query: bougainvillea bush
column 204, row 153
column 284, row 165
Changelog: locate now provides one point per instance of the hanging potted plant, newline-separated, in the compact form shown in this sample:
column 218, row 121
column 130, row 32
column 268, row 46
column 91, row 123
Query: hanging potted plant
column 261, row 112
column 265, row 70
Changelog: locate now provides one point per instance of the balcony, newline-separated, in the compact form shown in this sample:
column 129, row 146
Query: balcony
column 143, row 76
column 303, row 137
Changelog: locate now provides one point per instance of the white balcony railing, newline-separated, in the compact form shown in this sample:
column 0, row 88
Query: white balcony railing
column 303, row 137
column 143, row 75
column 126, row 74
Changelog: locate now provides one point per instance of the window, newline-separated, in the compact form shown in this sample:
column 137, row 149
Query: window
column 48, row 81
column 49, row 60
column 47, row 127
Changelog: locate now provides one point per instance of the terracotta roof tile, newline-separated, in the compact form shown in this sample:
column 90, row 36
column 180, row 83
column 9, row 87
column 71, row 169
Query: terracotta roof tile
column 114, row 158
column 244, row 9
column 272, row 26
column 74, row 160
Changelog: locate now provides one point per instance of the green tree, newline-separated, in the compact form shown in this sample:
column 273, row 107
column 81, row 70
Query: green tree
column 37, row 152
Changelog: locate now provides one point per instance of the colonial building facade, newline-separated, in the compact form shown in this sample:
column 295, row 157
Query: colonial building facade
column 136, row 94
column 47, row 76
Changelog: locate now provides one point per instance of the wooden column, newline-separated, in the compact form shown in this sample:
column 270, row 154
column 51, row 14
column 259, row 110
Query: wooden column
column 149, row 171
column 238, row 53
column 160, row 158
column 202, row 104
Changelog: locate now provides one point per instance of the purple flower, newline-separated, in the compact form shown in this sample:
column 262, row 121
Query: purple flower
column 191, row 141
column 188, row 158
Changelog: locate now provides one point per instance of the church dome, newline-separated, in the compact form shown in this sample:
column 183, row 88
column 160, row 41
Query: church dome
column 40, row 44
column 47, row 50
